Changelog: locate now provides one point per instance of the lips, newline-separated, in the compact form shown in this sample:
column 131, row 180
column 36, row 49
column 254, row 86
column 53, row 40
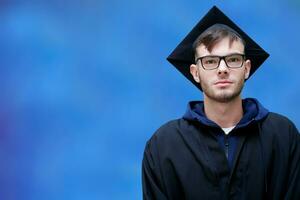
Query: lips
column 223, row 82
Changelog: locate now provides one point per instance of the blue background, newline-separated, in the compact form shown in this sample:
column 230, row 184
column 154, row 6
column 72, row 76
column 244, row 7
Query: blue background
column 84, row 84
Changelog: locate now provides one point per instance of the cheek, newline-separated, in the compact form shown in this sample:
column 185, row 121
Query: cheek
column 204, row 80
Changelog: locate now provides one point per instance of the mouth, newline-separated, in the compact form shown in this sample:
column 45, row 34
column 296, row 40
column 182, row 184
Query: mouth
column 223, row 83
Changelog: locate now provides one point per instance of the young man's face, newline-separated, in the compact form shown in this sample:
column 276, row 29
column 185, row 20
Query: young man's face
column 222, row 84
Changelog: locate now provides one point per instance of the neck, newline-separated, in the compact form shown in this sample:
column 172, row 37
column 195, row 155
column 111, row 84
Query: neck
column 225, row 114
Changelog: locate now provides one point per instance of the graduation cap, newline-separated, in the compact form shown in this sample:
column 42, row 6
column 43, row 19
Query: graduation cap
column 183, row 55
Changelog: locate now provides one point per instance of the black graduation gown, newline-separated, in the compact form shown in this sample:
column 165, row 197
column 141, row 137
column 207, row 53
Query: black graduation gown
column 183, row 160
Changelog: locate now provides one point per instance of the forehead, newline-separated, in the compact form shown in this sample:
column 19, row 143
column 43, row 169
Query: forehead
column 222, row 48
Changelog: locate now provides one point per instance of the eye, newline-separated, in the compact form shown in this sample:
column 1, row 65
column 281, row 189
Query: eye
column 234, row 59
column 210, row 61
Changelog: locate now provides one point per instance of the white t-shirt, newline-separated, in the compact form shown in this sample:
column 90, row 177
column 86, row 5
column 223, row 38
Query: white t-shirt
column 227, row 130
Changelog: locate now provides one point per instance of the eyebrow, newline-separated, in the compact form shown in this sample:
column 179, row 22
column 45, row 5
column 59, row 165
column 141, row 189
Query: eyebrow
column 239, row 53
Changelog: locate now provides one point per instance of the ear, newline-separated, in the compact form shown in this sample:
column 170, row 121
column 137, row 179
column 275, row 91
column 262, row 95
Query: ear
column 247, row 68
column 195, row 73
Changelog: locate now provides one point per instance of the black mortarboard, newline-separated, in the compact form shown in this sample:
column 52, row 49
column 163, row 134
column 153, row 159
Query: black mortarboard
column 183, row 55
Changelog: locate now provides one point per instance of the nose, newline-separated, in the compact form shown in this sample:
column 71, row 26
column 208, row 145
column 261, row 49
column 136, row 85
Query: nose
column 222, row 69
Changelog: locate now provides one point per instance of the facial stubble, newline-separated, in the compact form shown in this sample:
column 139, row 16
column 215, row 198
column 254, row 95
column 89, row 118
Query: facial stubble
column 224, row 95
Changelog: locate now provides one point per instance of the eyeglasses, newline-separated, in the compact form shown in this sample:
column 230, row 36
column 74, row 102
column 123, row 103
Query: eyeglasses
column 213, row 62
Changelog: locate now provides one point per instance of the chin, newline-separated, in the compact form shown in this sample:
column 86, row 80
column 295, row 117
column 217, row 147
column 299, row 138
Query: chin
column 223, row 96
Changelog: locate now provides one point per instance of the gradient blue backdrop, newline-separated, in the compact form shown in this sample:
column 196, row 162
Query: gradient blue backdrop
column 84, row 84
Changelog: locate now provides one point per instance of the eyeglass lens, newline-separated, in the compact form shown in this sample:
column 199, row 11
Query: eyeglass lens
column 232, row 61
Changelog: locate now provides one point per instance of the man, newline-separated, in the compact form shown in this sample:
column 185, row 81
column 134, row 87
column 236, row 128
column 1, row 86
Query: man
column 224, row 147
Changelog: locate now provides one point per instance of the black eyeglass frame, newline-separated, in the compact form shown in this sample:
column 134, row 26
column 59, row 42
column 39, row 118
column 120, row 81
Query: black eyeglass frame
column 221, row 58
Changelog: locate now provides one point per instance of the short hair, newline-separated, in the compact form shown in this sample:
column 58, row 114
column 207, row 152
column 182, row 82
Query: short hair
column 214, row 34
